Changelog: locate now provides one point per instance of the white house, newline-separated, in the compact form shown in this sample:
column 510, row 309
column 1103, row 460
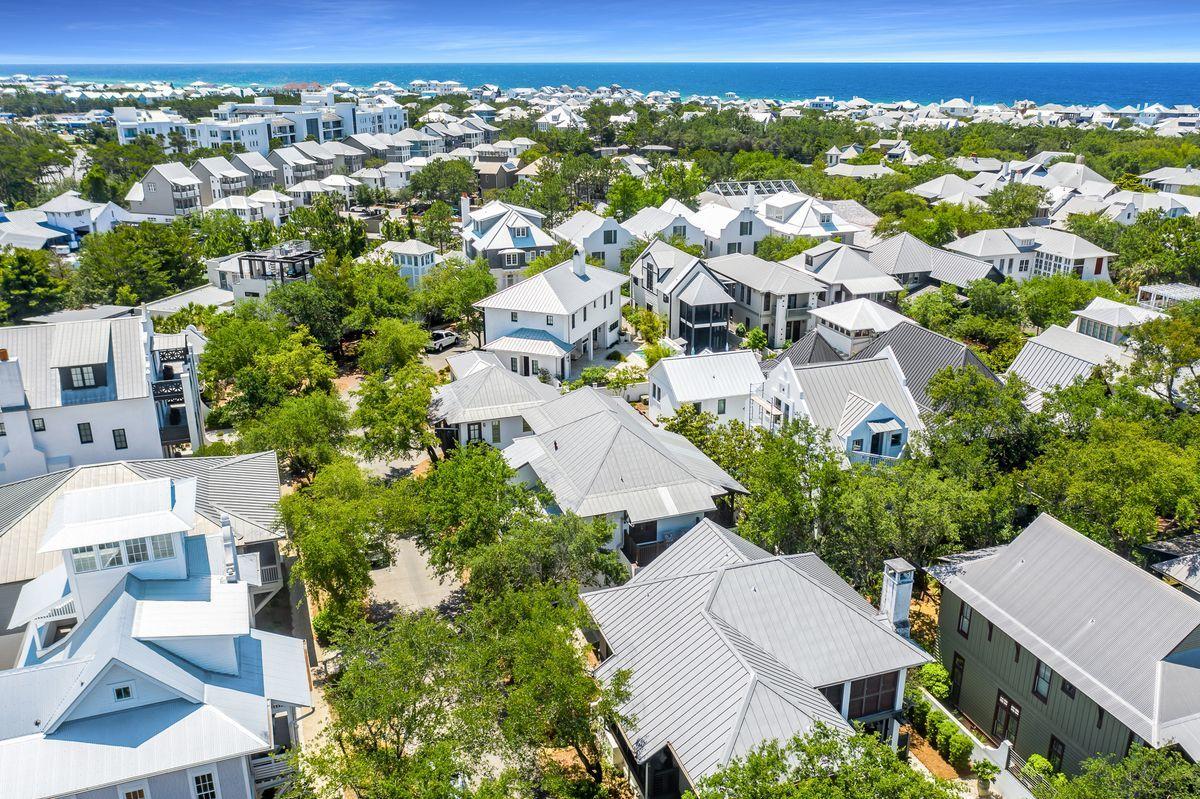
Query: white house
column 1172, row 178
column 729, row 230
column 720, row 383
column 679, row 286
column 772, row 296
column 1021, row 253
column 507, row 236
column 485, row 401
column 413, row 258
column 599, row 457
column 864, row 405
column 846, row 272
column 849, row 326
column 141, row 673
column 554, row 319
column 677, row 223
column 94, row 391
column 598, row 237
column 791, row 214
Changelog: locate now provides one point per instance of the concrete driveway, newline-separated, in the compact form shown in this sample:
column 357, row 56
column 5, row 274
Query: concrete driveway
column 409, row 583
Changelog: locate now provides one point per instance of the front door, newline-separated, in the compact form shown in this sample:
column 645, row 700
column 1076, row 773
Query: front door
column 956, row 677
column 525, row 365
column 1006, row 720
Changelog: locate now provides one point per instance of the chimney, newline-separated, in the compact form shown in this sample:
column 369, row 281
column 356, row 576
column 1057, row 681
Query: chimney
column 232, row 569
column 578, row 264
column 464, row 207
column 897, row 593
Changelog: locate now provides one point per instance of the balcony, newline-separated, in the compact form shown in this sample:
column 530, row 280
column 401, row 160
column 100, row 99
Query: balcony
column 270, row 771
column 640, row 547
column 167, row 390
column 872, row 459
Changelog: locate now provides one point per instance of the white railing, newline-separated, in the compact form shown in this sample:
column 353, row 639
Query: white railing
column 60, row 612
column 271, row 573
column 270, row 770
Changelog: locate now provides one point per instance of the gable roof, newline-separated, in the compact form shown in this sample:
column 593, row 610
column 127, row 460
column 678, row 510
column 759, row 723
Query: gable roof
column 557, row 290
column 765, row 276
column 489, row 392
column 905, row 254
column 860, row 314
column 597, row 455
column 812, row 347
column 1082, row 610
column 1057, row 356
column 709, row 375
column 921, row 354
column 727, row 645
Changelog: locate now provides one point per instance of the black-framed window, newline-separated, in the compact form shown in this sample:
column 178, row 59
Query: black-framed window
column 1055, row 753
column 873, row 695
column 83, row 376
column 39, row 424
column 1041, row 680
column 474, row 431
column 1068, row 689
column 3, row 430
column 85, row 432
column 119, row 439
column 1007, row 718
column 721, row 407
column 964, row 619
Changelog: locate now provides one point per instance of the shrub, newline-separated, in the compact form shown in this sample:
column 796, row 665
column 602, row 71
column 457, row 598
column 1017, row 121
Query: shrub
column 217, row 419
column 328, row 623
column 985, row 770
column 933, row 722
column 755, row 339
column 960, row 751
column 947, row 729
column 614, row 356
column 936, row 680
column 1037, row 768
column 919, row 713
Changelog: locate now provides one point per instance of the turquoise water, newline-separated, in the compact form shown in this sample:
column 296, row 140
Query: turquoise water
column 1116, row 84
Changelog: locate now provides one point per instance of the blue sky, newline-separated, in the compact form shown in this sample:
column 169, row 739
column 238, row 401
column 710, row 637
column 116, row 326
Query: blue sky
column 409, row 31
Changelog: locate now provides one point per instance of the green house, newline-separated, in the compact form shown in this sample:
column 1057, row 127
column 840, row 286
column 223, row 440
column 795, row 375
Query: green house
column 1067, row 650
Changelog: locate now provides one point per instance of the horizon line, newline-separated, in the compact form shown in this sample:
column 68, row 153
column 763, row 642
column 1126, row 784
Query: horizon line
column 588, row 62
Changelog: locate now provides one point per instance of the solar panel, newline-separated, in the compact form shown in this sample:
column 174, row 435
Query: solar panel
column 741, row 188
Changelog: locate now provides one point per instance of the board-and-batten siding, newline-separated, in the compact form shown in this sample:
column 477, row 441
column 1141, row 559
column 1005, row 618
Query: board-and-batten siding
column 232, row 776
column 990, row 666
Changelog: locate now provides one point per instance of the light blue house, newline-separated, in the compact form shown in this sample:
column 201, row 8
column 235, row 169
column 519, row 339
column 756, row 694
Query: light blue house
column 864, row 404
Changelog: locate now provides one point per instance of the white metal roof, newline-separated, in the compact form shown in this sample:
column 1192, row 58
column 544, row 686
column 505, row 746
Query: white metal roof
column 709, row 375
column 116, row 512
column 557, row 290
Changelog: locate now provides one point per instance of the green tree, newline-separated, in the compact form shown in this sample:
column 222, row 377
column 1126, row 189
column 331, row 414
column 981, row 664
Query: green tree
column 393, row 413
column 201, row 316
column 824, row 764
column 322, row 225
column 28, row 285
column 436, row 226
column 1049, row 300
column 755, row 339
column 395, row 344
column 557, row 254
column 27, row 156
column 1014, row 204
column 1145, row 773
column 779, row 248
column 626, row 196
column 465, row 503
column 317, row 305
column 445, row 180
column 1166, row 360
column 451, row 288
column 148, row 260
column 376, row 291
column 794, row 479
column 307, row 432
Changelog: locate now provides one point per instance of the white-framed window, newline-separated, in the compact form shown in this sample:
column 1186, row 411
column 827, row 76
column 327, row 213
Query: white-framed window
column 83, row 377
column 110, row 555
column 679, row 230
column 136, row 551
column 733, row 247
column 83, row 559
column 495, row 431
column 122, row 692
column 134, row 790
column 203, row 782
column 512, row 259
column 163, row 546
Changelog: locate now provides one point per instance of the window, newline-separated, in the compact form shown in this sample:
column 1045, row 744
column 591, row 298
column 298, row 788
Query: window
column 549, row 320
column 610, row 237
column 512, row 363
column 512, row 316
column 123, row 692
column 512, row 259
column 110, row 555
column 85, row 432
column 679, row 230
column 495, row 431
column 140, row 791
column 733, row 247
column 83, row 559
column 1041, row 680
column 834, row 694
column 696, row 407
column 964, row 619
column 1133, row 740
column 82, row 377
column 474, row 432
column 3, row 431
column 572, row 320
column 1007, row 719
column 858, row 445
column 746, row 229
column 119, row 439
column 897, row 438
column 136, row 551
column 1016, row 652
column 1068, row 689
column 873, row 695
column 205, row 785
column 1055, row 755
column 721, row 407
column 163, row 546
column 39, row 425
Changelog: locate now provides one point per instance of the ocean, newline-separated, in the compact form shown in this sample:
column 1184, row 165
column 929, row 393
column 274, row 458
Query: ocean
column 1115, row 84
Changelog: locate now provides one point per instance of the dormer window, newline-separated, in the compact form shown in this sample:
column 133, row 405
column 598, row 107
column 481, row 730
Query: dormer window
column 83, row 559
column 83, row 377
column 520, row 232
column 123, row 692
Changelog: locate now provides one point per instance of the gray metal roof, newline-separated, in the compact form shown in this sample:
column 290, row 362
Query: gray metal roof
column 597, row 455
column 1102, row 623
column 726, row 646
column 41, row 349
column 1057, row 357
column 811, row 348
column 709, row 375
column 905, row 254
column 921, row 354
column 489, row 392
column 766, row 276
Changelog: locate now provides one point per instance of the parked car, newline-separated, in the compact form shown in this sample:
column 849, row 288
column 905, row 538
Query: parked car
column 441, row 340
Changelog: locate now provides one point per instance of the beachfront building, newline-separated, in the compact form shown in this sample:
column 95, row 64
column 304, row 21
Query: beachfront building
column 94, row 391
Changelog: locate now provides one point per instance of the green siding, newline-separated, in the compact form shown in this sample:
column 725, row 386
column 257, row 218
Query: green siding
column 990, row 667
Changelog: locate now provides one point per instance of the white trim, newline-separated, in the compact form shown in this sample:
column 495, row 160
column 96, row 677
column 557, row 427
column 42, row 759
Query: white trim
column 126, row 788
column 208, row 768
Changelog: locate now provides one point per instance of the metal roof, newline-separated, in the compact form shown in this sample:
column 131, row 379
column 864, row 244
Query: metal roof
column 709, row 375
column 811, row 348
column 921, row 354
column 102, row 514
column 489, row 392
column 1083, row 611
column 765, row 276
column 1058, row 356
column 557, row 290
column 726, row 646
column 597, row 455
column 531, row 342
column 905, row 254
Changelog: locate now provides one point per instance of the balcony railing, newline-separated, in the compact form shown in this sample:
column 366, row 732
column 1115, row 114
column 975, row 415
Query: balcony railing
column 65, row 610
column 269, row 771
column 872, row 459
column 270, row 573
column 167, row 390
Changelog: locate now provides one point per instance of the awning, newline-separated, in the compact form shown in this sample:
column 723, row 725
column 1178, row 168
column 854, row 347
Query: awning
column 885, row 427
